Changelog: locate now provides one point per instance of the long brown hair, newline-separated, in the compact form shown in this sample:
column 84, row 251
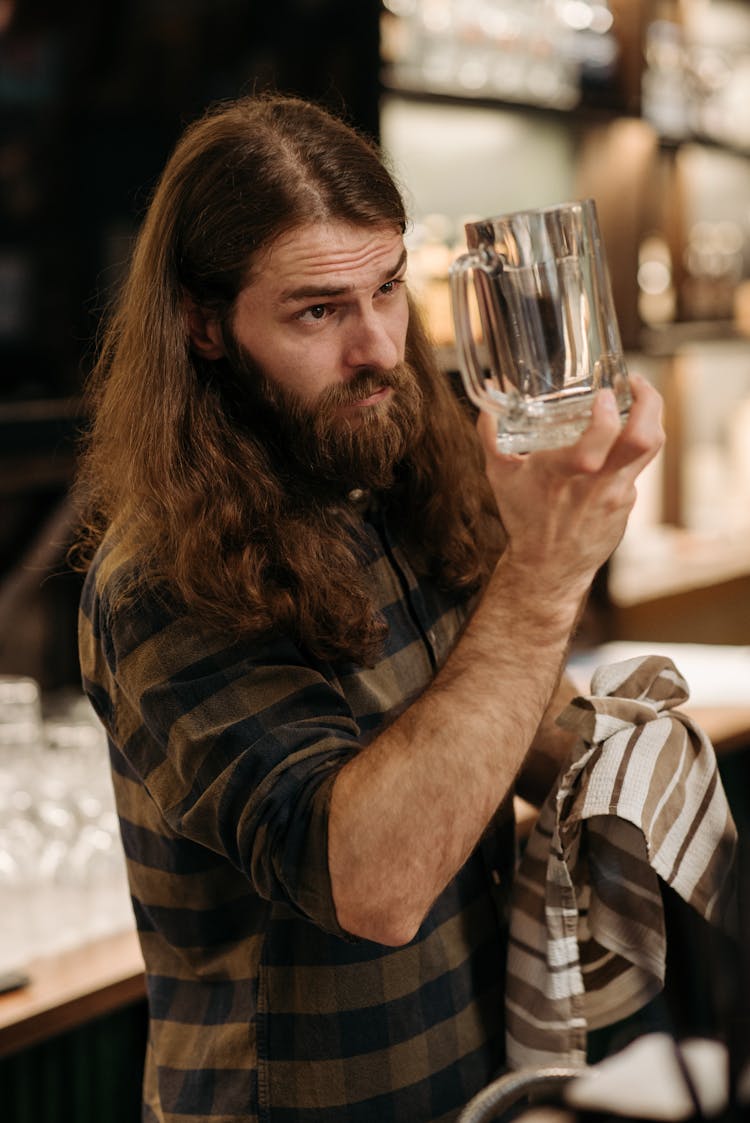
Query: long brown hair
column 202, row 503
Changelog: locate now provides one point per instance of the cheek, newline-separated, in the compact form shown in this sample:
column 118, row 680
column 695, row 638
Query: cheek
column 402, row 321
column 303, row 371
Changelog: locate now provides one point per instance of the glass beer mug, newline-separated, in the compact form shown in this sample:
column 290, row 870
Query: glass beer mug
column 542, row 336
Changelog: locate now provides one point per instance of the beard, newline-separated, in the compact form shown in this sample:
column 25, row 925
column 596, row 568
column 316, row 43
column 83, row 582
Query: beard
column 313, row 439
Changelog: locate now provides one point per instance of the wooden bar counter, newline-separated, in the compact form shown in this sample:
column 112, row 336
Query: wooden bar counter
column 71, row 988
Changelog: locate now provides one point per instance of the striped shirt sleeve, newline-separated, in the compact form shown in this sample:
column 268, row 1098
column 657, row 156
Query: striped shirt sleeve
column 237, row 745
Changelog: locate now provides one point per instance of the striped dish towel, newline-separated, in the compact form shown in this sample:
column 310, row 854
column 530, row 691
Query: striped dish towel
column 643, row 798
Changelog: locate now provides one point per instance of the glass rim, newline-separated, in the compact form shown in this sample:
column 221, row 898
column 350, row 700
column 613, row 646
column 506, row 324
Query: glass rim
column 589, row 203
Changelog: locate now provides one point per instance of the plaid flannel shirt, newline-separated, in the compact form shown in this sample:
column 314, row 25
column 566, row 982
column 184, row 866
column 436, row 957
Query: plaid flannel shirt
column 223, row 759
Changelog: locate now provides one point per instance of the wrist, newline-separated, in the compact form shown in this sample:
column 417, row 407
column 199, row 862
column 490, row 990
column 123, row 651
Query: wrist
column 539, row 602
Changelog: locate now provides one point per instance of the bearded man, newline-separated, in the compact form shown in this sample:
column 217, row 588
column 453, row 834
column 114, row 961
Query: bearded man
column 324, row 623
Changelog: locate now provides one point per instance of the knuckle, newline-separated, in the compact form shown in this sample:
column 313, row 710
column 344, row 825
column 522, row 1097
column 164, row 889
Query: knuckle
column 621, row 499
column 586, row 461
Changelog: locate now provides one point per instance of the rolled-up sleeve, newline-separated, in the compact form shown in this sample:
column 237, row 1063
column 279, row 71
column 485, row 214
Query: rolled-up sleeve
column 237, row 744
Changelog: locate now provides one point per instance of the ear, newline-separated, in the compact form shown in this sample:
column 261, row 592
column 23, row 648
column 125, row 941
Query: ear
column 204, row 330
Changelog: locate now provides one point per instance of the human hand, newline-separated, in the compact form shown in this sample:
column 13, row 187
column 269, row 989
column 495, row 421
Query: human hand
column 565, row 510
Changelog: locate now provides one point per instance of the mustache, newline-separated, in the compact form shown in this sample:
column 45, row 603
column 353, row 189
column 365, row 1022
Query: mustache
column 364, row 383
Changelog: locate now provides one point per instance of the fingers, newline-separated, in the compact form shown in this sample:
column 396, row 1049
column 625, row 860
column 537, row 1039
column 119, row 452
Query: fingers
column 565, row 509
column 643, row 433
column 593, row 448
column 487, row 430
column 604, row 446
column 608, row 445
column 589, row 454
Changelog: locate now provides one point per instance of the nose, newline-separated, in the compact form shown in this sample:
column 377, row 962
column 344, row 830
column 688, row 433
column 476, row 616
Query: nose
column 372, row 342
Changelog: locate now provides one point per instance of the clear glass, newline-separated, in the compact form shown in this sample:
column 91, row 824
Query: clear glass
column 544, row 337
column 62, row 867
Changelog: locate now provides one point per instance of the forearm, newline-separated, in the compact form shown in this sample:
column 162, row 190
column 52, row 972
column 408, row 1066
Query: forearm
column 409, row 809
column 550, row 750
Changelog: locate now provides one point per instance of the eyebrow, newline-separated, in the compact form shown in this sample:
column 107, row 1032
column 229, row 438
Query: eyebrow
column 313, row 292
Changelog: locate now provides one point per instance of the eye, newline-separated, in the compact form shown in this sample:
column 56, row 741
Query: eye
column 314, row 312
column 390, row 286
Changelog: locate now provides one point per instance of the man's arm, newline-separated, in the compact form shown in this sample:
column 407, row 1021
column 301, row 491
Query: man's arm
column 550, row 749
column 408, row 810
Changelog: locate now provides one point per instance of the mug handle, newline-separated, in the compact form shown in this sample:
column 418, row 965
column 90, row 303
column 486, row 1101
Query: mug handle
column 471, row 367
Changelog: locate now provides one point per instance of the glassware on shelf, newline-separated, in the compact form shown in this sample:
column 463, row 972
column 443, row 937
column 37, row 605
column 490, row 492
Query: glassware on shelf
column 526, row 51
column 714, row 264
column 21, row 736
column 62, row 868
column 696, row 81
column 664, row 86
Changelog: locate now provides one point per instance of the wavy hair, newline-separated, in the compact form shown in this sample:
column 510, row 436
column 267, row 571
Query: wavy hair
column 165, row 460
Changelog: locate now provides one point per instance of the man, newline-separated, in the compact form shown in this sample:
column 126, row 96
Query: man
column 324, row 662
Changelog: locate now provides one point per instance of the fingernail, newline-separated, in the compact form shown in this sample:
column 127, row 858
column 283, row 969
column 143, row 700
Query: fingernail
column 609, row 403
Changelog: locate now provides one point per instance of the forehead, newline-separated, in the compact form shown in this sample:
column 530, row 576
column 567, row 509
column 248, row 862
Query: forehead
column 331, row 255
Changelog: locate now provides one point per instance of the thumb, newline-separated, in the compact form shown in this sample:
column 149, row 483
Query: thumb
column 487, row 432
